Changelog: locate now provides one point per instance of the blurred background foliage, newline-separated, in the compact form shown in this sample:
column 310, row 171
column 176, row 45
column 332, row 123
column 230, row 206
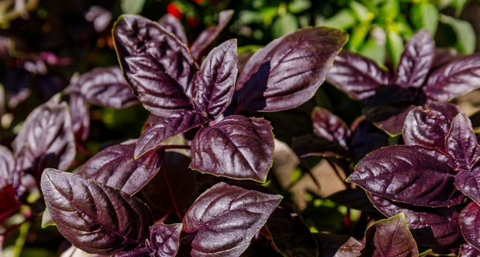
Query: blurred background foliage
column 44, row 42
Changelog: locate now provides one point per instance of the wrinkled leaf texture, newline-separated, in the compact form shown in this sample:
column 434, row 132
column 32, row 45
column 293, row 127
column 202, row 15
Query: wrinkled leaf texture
column 391, row 238
column 225, row 219
column 330, row 127
column 289, row 70
column 164, row 240
column 173, row 25
column 469, row 222
column 237, row 147
column 116, row 167
column 94, row 217
column 338, row 245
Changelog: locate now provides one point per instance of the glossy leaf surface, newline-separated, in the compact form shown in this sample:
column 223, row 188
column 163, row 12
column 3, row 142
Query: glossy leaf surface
column 206, row 38
column 215, row 82
column 80, row 115
column 461, row 143
column 330, row 127
column 391, row 238
column 467, row 250
column 357, row 76
column 157, row 65
column 432, row 227
column 7, row 165
column 469, row 222
column 226, row 218
column 407, row 174
column 164, row 240
column 468, row 182
column 173, row 25
column 46, row 138
column 153, row 137
column 453, row 79
column 116, row 167
column 105, row 87
column 415, row 61
column 237, row 147
column 94, row 217
column 288, row 71
column 428, row 126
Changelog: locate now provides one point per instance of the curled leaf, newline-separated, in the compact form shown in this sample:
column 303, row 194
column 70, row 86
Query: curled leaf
column 164, row 240
column 469, row 221
column 171, row 24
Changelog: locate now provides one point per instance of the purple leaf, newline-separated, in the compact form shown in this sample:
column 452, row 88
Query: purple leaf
column 461, row 143
column 428, row 126
column 352, row 198
column 215, row 82
column 164, row 240
column 8, row 202
column 288, row 71
column 365, row 138
column 391, row 238
column 157, row 65
column 416, row 60
column 153, row 136
column 209, row 35
column 432, row 227
column 174, row 185
column 407, row 174
column 171, row 24
column 94, row 217
column 105, row 87
column 47, row 138
column 237, row 147
column 469, row 222
column 468, row 182
column 330, row 127
column 443, row 55
column 312, row 145
column 290, row 235
column 226, row 218
column 467, row 250
column 338, row 245
column 116, row 167
column 80, row 115
column 357, row 76
column 7, row 165
column 390, row 118
column 453, row 79
column 99, row 16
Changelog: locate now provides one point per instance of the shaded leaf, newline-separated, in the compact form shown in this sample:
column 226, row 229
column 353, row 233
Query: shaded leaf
column 8, row 202
column 428, row 126
column 226, row 218
column 390, row 237
column 116, row 167
column 329, row 126
column 338, row 245
column 80, row 115
column 431, row 227
column 365, row 138
column 174, row 185
column 46, row 138
column 353, row 198
column 468, row 182
column 94, row 217
column 464, row 32
column 156, row 64
column 290, row 234
column 453, row 79
column 443, row 55
column 407, row 174
column 164, row 240
column 237, row 147
column 105, row 87
column 206, row 38
column 312, row 145
column 99, row 16
column 389, row 117
column 289, row 70
column 153, row 137
column 415, row 61
column 461, row 143
column 469, row 221
column 357, row 76
column 173, row 25
column 215, row 82
column 7, row 165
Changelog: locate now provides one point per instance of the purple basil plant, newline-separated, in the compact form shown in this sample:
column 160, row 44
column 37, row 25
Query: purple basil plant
column 433, row 179
column 117, row 202
column 423, row 75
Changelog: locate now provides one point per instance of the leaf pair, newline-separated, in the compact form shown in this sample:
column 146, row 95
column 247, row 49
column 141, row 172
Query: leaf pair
column 169, row 83
column 101, row 219
column 422, row 75
column 428, row 178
